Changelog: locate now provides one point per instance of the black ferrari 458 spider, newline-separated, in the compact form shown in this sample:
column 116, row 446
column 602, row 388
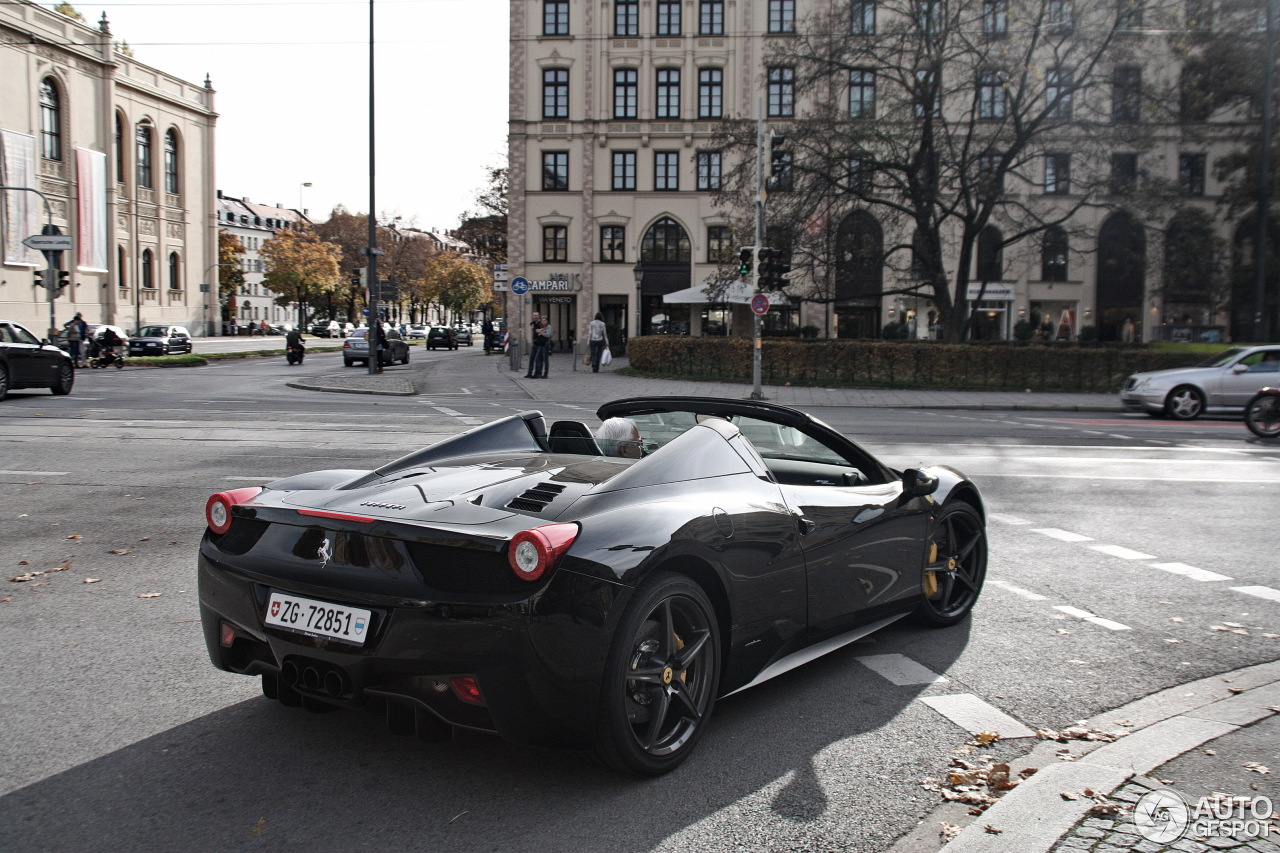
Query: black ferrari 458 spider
column 557, row 589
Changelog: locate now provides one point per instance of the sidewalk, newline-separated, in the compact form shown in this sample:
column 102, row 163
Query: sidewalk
column 468, row 372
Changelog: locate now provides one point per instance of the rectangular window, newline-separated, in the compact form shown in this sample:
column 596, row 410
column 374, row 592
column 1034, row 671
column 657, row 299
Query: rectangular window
column 1060, row 14
column 929, row 16
column 143, row 154
column 668, row 93
column 928, row 94
column 1057, row 174
column 666, row 170
column 612, row 244
column 555, row 93
column 710, row 93
column 625, row 87
column 862, row 18
column 626, row 17
column 995, row 17
column 1129, row 14
column 711, row 18
column 990, row 181
column 991, row 95
column 860, row 175
column 708, row 170
column 1126, row 94
column 668, row 17
column 782, row 16
column 555, row 243
column 1057, row 93
column 782, row 93
column 624, row 170
column 719, row 244
column 555, row 17
column 555, row 170
column 862, row 94
column 781, row 175
column 1191, row 169
column 1124, row 173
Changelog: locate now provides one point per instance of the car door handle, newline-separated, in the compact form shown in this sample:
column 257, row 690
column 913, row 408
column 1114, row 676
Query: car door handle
column 804, row 525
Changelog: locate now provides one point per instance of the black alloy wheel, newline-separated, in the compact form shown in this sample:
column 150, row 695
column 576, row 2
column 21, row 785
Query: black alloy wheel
column 955, row 567
column 66, row 378
column 661, row 678
column 1262, row 415
column 1184, row 403
column 4, row 381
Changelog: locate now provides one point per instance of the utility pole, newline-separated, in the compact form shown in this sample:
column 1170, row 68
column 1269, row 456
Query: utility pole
column 761, row 197
column 371, row 335
column 1261, row 317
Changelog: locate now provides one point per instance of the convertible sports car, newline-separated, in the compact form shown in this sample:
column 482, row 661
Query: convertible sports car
column 556, row 589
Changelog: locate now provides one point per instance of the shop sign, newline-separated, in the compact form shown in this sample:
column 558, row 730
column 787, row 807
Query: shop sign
column 557, row 283
column 996, row 292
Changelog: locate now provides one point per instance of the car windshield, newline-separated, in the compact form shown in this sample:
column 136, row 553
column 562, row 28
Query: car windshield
column 1222, row 359
column 154, row 332
column 771, row 440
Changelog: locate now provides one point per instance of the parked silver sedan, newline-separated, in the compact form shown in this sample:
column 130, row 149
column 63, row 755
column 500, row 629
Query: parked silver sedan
column 1223, row 384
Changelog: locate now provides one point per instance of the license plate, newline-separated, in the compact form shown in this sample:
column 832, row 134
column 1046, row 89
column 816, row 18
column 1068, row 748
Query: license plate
column 318, row 618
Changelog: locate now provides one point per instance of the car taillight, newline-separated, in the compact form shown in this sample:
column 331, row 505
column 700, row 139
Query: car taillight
column 534, row 551
column 217, row 510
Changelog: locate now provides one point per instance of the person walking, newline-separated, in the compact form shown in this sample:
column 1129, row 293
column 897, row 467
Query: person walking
column 534, row 333
column 546, row 334
column 77, row 331
column 597, row 340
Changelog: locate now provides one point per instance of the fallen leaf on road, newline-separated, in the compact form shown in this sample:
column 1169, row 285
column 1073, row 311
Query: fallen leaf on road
column 1233, row 624
column 92, row 580
column 949, row 831
column 1256, row 767
column 1069, row 795
column 1235, row 689
column 66, row 564
column 23, row 563
column 1272, row 636
column 1103, row 806
column 6, row 599
column 1211, row 752
column 1177, row 619
column 1028, row 772
column 75, row 536
column 984, row 738
column 1172, row 641
column 120, row 551
column 149, row 595
column 145, row 539
column 257, row 830
column 29, row 576
column 991, row 829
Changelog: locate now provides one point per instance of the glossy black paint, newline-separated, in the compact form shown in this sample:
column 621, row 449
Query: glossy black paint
column 422, row 541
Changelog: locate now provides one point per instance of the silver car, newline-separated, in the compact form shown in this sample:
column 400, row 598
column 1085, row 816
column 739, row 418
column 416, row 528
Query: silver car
column 356, row 348
column 1223, row 384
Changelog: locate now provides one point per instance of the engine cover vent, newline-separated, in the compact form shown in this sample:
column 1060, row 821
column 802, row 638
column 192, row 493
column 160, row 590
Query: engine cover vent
column 537, row 498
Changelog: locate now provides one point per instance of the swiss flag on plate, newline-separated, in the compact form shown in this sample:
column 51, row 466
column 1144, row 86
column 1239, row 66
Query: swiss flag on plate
column 275, row 608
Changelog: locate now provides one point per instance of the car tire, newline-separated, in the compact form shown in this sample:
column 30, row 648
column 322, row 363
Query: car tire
column 955, row 566
column 66, row 379
column 4, row 381
column 669, row 635
column 1184, row 403
column 405, row 360
column 346, row 362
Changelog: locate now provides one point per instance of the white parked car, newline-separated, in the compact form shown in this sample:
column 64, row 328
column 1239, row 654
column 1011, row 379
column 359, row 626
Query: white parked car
column 1223, row 384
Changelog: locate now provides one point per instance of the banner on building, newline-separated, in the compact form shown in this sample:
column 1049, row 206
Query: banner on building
column 91, row 181
column 22, row 210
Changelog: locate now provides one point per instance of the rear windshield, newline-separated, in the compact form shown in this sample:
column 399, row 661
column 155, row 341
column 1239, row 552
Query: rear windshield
column 154, row 332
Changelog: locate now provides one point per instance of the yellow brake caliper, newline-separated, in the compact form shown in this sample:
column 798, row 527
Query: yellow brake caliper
column 930, row 575
column 679, row 646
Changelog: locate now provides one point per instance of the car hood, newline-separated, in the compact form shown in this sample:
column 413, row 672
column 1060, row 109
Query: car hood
column 541, row 486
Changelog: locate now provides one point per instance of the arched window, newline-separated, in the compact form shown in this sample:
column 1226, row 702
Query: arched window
column 143, row 139
column 119, row 149
column 860, row 257
column 1053, row 254
column 175, row 272
column 1122, row 274
column 50, row 120
column 171, row 161
column 148, row 270
column 665, row 242
column 990, row 254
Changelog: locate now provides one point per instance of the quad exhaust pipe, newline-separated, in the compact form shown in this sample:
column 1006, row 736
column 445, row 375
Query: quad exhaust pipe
column 315, row 677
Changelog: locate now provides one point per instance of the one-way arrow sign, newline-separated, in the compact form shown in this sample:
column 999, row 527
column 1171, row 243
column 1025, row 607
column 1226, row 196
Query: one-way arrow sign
column 50, row 242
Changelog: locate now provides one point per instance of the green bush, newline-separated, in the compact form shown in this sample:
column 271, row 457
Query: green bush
column 999, row 366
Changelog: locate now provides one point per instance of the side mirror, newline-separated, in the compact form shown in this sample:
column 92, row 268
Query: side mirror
column 917, row 484
column 1240, row 368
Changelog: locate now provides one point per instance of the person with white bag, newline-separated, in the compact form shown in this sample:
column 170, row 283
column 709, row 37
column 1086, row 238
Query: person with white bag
column 598, row 343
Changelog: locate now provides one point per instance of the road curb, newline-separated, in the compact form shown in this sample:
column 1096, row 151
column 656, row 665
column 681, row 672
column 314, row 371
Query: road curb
column 1034, row 816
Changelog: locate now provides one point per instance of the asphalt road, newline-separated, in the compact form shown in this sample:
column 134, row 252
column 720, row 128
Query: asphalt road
column 1117, row 543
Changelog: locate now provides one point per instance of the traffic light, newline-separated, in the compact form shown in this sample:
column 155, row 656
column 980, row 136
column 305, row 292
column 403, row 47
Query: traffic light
column 746, row 257
column 64, row 279
column 37, row 278
column 779, row 162
column 773, row 269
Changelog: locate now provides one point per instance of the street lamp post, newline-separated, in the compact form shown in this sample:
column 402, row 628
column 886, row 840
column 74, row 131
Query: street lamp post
column 638, row 272
column 300, row 186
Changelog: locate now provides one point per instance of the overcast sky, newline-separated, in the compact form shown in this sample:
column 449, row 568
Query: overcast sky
column 292, row 82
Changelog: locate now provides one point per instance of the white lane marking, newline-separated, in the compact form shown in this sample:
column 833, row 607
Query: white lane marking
column 1191, row 572
column 1086, row 616
column 1259, row 591
column 1017, row 590
column 1007, row 519
column 258, row 479
column 35, row 473
column 1267, row 482
column 447, row 411
column 974, row 715
column 901, row 670
column 1061, row 535
column 1122, row 552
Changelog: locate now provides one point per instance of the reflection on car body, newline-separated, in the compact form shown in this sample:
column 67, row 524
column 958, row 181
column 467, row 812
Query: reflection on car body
column 517, row 579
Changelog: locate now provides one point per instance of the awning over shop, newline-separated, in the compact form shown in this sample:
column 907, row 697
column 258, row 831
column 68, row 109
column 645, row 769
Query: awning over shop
column 735, row 292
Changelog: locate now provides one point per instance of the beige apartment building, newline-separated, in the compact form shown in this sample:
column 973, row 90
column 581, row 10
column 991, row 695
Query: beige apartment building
column 123, row 153
column 614, row 108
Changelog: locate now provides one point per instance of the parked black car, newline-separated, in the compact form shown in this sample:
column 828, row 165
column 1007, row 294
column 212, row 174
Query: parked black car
column 557, row 589
column 160, row 340
column 27, row 361
column 442, row 336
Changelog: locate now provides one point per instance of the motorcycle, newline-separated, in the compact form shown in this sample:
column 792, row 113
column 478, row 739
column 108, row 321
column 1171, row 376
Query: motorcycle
column 1262, row 413
column 107, row 357
column 294, row 353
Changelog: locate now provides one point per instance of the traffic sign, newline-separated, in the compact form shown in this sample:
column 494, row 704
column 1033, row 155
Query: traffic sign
column 519, row 285
column 50, row 242
column 760, row 304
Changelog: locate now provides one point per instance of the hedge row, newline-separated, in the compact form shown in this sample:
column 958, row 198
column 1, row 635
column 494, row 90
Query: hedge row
column 910, row 364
